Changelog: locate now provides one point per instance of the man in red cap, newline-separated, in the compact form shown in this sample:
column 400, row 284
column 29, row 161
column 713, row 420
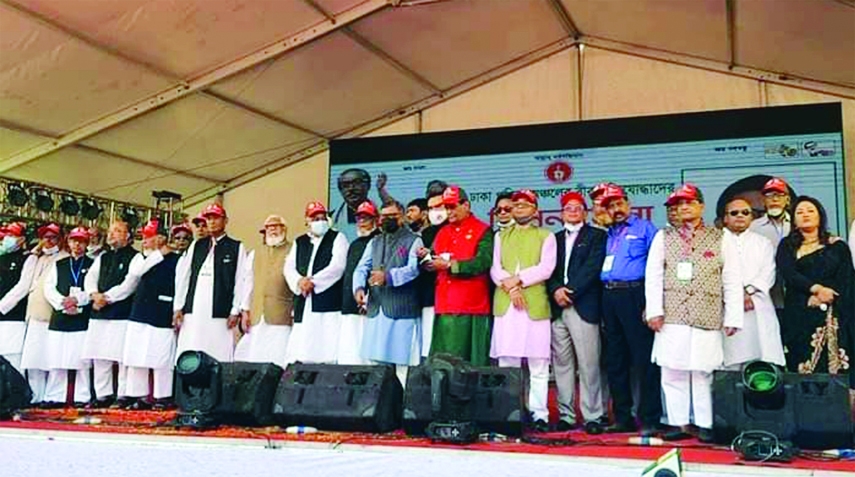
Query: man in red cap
column 16, row 275
column 673, row 211
column 353, row 315
column 35, row 353
column 628, row 341
column 150, row 338
column 576, row 293
column 314, row 269
column 96, row 242
column 775, row 225
column 694, row 297
column 110, row 289
column 426, row 281
column 266, row 341
column 218, row 294
column 200, row 227
column 182, row 237
column 523, row 260
column 63, row 290
column 600, row 214
column 462, row 255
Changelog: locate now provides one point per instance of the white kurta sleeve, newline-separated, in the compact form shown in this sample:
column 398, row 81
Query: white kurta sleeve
column 90, row 283
column 292, row 276
column 654, row 278
column 53, row 297
column 129, row 284
column 407, row 273
column 763, row 264
column 21, row 289
column 731, row 277
column 363, row 269
column 335, row 270
column 497, row 273
column 182, row 279
column 248, row 281
column 240, row 282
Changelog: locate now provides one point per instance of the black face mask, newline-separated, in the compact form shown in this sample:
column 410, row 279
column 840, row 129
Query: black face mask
column 415, row 226
column 390, row 226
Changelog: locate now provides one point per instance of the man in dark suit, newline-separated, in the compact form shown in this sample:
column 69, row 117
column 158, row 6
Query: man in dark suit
column 575, row 290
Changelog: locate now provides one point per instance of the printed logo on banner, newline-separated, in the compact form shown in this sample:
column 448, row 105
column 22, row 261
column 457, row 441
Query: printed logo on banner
column 559, row 172
column 781, row 150
column 819, row 149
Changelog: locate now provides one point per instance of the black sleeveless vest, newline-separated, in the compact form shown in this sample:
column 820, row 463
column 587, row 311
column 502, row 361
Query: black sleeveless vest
column 114, row 269
column 154, row 296
column 330, row 299
column 11, row 266
column 225, row 271
column 59, row 321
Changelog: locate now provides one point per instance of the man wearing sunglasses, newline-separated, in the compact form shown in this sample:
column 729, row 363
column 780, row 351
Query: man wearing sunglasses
column 182, row 237
column 760, row 337
column 502, row 212
column 775, row 225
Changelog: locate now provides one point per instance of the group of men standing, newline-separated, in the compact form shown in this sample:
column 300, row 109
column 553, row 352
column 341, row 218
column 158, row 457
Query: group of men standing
column 631, row 311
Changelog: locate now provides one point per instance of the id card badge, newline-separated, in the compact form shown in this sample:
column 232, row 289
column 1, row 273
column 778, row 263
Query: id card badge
column 608, row 263
column 75, row 292
column 684, row 271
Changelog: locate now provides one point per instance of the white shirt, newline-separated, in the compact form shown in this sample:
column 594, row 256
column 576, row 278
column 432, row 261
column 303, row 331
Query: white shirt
column 121, row 291
column 52, row 295
column 242, row 293
column 569, row 242
column 325, row 278
column 770, row 229
column 684, row 347
column 22, row 288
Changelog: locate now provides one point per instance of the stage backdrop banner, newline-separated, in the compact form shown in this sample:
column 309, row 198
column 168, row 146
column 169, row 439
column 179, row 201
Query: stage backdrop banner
column 724, row 153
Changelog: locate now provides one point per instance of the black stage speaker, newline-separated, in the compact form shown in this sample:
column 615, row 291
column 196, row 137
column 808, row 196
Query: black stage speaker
column 208, row 392
column 15, row 391
column 444, row 389
column 810, row 410
column 339, row 398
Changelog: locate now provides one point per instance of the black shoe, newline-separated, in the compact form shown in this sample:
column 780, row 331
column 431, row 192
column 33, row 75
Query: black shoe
column 163, row 404
column 52, row 405
column 650, row 430
column 604, row 420
column 678, row 434
column 705, row 435
column 566, row 426
column 594, row 428
column 540, row 426
column 123, row 403
column 621, row 427
column 139, row 405
column 102, row 403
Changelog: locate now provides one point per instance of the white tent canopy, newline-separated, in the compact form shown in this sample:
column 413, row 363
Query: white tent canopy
column 117, row 98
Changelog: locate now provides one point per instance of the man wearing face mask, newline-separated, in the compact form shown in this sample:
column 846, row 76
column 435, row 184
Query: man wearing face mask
column 34, row 355
column 213, row 293
column 314, row 269
column 576, row 293
column 503, row 212
column 775, row 225
column 352, row 314
column 150, row 338
column 182, row 237
column 426, row 281
column 96, row 243
column 200, row 227
column 417, row 218
column 16, row 275
column 110, row 289
column 601, row 218
column 390, row 266
column 273, row 304
column 523, row 260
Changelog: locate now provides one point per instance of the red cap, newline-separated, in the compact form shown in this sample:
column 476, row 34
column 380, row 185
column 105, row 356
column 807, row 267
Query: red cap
column 671, row 200
column 527, row 195
column 80, row 233
column 199, row 219
column 314, row 208
column 2, row 231
column 687, row 192
column 776, row 185
column 572, row 195
column 598, row 190
column 179, row 227
column 451, row 195
column 612, row 192
column 150, row 229
column 16, row 229
column 214, row 209
column 366, row 208
column 48, row 228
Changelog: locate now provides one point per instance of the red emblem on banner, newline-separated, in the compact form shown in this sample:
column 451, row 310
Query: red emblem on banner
column 559, row 172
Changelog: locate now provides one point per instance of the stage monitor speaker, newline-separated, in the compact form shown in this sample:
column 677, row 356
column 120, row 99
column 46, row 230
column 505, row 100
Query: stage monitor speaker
column 444, row 390
column 810, row 410
column 339, row 398
column 15, row 391
column 210, row 393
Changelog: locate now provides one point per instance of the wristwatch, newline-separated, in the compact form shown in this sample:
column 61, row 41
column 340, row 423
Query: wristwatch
column 750, row 289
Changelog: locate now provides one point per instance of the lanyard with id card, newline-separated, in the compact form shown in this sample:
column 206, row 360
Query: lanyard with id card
column 685, row 268
column 609, row 262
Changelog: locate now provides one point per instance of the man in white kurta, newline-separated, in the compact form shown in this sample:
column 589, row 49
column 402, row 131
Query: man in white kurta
column 211, row 291
column 16, row 276
column 34, row 355
column 760, row 337
column 687, row 278
column 314, row 269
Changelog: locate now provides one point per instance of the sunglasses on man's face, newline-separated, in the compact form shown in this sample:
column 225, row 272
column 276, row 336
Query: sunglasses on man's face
column 504, row 210
column 182, row 237
column 743, row 212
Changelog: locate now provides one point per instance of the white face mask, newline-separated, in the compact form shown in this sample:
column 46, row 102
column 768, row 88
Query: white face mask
column 506, row 224
column 92, row 248
column 10, row 244
column 775, row 212
column 50, row 251
column 319, row 227
column 573, row 228
column 274, row 240
column 437, row 216
column 363, row 232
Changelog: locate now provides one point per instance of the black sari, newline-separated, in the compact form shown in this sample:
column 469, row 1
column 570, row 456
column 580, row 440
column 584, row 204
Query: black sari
column 817, row 341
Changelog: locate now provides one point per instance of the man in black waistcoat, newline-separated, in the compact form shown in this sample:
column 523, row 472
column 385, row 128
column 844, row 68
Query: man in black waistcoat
column 16, row 274
column 63, row 290
column 390, row 266
column 352, row 315
column 218, row 293
column 426, row 281
column 313, row 269
column 150, row 338
column 110, row 289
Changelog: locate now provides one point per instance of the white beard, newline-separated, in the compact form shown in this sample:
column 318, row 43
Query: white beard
column 272, row 241
column 363, row 232
column 774, row 212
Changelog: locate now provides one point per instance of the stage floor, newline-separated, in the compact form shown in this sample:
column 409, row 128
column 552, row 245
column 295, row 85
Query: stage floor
column 114, row 443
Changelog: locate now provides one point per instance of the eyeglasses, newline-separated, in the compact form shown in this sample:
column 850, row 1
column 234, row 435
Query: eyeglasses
column 775, row 195
column 744, row 212
column 504, row 210
column 182, row 237
column 573, row 208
